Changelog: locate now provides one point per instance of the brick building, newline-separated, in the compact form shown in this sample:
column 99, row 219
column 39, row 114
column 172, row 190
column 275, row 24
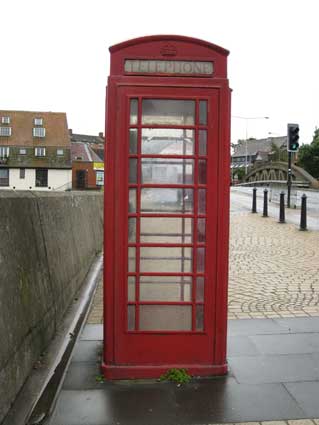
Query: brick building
column 87, row 167
column 35, row 151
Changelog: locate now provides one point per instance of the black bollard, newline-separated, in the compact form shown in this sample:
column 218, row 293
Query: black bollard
column 303, row 213
column 265, row 211
column 282, row 208
column 254, row 208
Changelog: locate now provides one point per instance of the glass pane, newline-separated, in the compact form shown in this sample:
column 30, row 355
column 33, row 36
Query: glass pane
column 199, row 317
column 166, row 200
column 132, row 201
column 166, row 230
column 131, row 317
column 200, row 260
column 131, row 259
column 201, row 231
column 171, row 112
column 133, row 171
column 203, row 112
column 133, row 111
column 172, row 260
column 202, row 142
column 131, row 288
column 165, row 288
column 133, row 140
column 165, row 317
column 132, row 229
column 165, row 141
column 167, row 171
column 200, row 289
column 201, row 201
column 202, row 171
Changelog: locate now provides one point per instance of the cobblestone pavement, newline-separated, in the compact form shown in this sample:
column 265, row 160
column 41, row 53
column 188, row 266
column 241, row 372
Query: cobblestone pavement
column 273, row 271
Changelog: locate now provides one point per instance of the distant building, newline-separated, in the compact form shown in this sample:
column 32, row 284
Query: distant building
column 255, row 150
column 87, row 167
column 96, row 143
column 34, row 151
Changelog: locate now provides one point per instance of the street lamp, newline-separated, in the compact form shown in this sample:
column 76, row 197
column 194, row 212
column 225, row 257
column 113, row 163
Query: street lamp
column 246, row 135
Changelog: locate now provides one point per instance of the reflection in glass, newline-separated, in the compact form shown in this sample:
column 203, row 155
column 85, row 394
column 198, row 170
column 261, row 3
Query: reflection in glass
column 199, row 317
column 133, row 111
column 132, row 229
column 131, row 317
column 167, row 141
column 165, row 288
column 172, row 260
column 200, row 289
column 201, row 201
column 166, row 230
column 200, row 260
column 166, row 200
column 201, row 231
column 203, row 112
column 168, row 112
column 132, row 201
column 133, row 140
column 167, row 171
column 202, row 142
column 202, row 171
column 133, row 170
column 131, row 259
column 131, row 288
column 165, row 317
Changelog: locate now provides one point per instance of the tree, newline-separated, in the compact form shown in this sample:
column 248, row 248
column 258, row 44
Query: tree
column 308, row 156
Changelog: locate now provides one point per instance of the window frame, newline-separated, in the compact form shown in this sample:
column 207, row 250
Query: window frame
column 37, row 177
column 4, row 130
column 38, row 132
column 39, row 149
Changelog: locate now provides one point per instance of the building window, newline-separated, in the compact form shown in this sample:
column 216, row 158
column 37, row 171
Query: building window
column 4, row 176
column 22, row 173
column 100, row 178
column 39, row 151
column 38, row 132
column 60, row 152
column 38, row 121
column 22, row 151
column 4, row 152
column 5, row 120
column 5, row 131
column 41, row 177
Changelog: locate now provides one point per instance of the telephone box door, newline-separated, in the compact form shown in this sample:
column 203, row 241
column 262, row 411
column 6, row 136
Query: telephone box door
column 166, row 246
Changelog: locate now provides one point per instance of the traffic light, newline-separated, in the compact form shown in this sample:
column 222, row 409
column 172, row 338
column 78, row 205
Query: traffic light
column 293, row 138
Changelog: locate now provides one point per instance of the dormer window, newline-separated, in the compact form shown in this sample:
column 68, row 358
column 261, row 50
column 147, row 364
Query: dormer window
column 39, row 152
column 38, row 121
column 5, row 131
column 5, row 120
column 38, row 132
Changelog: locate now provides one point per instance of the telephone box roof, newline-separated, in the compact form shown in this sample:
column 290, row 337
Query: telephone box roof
column 180, row 38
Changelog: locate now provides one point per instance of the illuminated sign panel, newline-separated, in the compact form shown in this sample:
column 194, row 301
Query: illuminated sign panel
column 144, row 66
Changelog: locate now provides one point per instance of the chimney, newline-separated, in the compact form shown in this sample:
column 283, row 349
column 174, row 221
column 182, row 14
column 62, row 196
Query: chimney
column 70, row 131
column 101, row 135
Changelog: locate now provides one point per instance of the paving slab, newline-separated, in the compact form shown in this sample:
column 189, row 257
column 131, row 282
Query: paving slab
column 261, row 386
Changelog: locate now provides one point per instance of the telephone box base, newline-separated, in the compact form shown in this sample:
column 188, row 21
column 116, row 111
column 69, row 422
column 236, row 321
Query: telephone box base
column 155, row 371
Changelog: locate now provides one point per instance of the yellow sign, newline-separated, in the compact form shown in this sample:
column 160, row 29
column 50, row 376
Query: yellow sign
column 98, row 165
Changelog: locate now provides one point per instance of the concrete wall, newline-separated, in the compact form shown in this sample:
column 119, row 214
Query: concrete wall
column 47, row 244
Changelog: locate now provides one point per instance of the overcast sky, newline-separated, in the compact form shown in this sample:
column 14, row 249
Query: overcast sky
column 54, row 55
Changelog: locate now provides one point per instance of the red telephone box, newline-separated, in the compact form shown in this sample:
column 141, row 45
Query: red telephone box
column 166, row 208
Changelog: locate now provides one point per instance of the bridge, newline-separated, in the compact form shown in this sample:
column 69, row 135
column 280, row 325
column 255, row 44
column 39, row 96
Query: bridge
column 271, row 172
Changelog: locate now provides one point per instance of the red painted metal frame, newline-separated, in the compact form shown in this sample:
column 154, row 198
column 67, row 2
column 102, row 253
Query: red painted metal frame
column 120, row 361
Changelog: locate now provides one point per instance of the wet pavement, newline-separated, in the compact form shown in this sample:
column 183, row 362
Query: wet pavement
column 273, row 375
